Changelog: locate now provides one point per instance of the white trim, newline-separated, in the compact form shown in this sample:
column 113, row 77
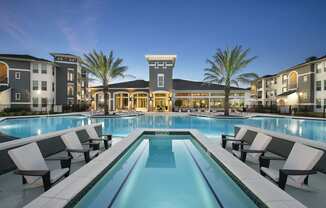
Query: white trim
column 15, row 69
column 18, row 96
column 17, row 77
column 304, row 74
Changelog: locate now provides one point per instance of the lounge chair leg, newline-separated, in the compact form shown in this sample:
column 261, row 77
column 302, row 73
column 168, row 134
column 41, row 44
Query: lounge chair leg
column 87, row 157
column 223, row 141
column 24, row 180
column 282, row 180
column 46, row 181
column 243, row 156
column 235, row 146
column 106, row 144
column 306, row 180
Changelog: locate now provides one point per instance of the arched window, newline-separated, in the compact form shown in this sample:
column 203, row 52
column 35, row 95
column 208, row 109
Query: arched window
column 3, row 73
column 293, row 80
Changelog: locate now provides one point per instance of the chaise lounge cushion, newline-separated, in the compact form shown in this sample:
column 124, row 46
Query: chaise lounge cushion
column 28, row 157
column 301, row 157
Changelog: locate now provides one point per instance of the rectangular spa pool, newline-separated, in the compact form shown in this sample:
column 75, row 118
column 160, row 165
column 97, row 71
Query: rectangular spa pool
column 165, row 171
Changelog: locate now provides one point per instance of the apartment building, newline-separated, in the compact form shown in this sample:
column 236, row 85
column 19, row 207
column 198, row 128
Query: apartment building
column 297, row 86
column 29, row 82
column 164, row 93
column 71, row 80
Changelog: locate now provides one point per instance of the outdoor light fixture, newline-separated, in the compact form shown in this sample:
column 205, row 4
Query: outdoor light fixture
column 150, row 98
column 300, row 93
column 170, row 98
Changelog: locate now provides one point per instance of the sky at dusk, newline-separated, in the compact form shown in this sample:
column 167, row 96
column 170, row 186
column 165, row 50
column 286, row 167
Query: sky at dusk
column 281, row 33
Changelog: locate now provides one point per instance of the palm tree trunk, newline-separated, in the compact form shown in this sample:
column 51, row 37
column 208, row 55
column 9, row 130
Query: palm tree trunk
column 226, row 100
column 106, row 106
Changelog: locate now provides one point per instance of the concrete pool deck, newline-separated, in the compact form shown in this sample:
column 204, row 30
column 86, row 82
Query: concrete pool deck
column 263, row 191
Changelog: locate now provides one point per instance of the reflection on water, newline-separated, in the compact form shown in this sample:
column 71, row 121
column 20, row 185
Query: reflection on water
column 160, row 154
column 121, row 127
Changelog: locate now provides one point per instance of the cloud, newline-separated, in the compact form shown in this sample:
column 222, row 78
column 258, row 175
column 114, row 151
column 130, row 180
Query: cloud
column 80, row 33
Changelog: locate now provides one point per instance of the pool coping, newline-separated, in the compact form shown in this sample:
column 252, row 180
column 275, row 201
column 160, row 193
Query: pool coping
column 66, row 192
column 26, row 140
column 291, row 138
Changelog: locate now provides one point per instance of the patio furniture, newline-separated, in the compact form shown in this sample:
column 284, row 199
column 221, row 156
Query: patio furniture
column 76, row 149
column 32, row 166
column 255, row 150
column 297, row 168
column 233, row 139
column 94, row 137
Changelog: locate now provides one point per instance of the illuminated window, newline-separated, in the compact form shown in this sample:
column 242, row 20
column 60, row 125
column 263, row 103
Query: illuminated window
column 3, row 73
column 293, row 80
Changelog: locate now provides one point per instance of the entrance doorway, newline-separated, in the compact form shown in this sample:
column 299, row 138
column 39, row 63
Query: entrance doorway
column 161, row 102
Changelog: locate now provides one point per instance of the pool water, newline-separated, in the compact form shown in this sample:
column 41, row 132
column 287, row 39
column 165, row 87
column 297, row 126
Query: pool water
column 166, row 171
column 121, row 127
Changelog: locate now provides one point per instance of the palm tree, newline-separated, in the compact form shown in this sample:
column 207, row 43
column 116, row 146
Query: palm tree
column 105, row 69
column 225, row 67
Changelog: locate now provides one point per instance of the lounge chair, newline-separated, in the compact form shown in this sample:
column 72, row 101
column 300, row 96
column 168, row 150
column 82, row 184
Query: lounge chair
column 234, row 139
column 256, row 149
column 76, row 149
column 32, row 166
column 297, row 168
column 94, row 137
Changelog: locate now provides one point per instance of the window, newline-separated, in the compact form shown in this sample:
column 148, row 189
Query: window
column 70, row 91
column 43, row 69
column 35, row 102
column 318, row 68
column 3, row 73
column 305, row 78
column 324, row 84
column 44, row 86
column 160, row 80
column 70, row 76
column 18, row 96
column 35, row 85
column 17, row 75
column 52, row 86
column 284, row 89
column 318, row 86
column 284, row 79
column 318, row 103
column 35, row 68
column 53, row 68
column 44, row 102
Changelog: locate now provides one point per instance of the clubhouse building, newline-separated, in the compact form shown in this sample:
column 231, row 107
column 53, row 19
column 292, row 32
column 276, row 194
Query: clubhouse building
column 164, row 93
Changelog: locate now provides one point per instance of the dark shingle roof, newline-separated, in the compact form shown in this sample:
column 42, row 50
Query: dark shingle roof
column 23, row 56
column 129, row 84
column 180, row 84
column 287, row 93
column 63, row 54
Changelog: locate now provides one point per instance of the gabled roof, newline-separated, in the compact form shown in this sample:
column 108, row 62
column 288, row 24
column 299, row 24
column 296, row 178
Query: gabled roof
column 178, row 84
column 23, row 57
column 181, row 84
column 129, row 84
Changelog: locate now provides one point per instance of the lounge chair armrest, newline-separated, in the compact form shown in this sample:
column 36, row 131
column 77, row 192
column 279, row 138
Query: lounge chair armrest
column 272, row 158
column 297, row 172
column 264, row 161
column 252, row 151
column 95, row 139
column 65, row 161
column 227, row 135
column 32, row 172
column 284, row 173
column 78, row 150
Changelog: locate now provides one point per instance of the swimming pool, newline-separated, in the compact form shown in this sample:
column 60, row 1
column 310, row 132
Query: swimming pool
column 165, row 171
column 121, row 127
